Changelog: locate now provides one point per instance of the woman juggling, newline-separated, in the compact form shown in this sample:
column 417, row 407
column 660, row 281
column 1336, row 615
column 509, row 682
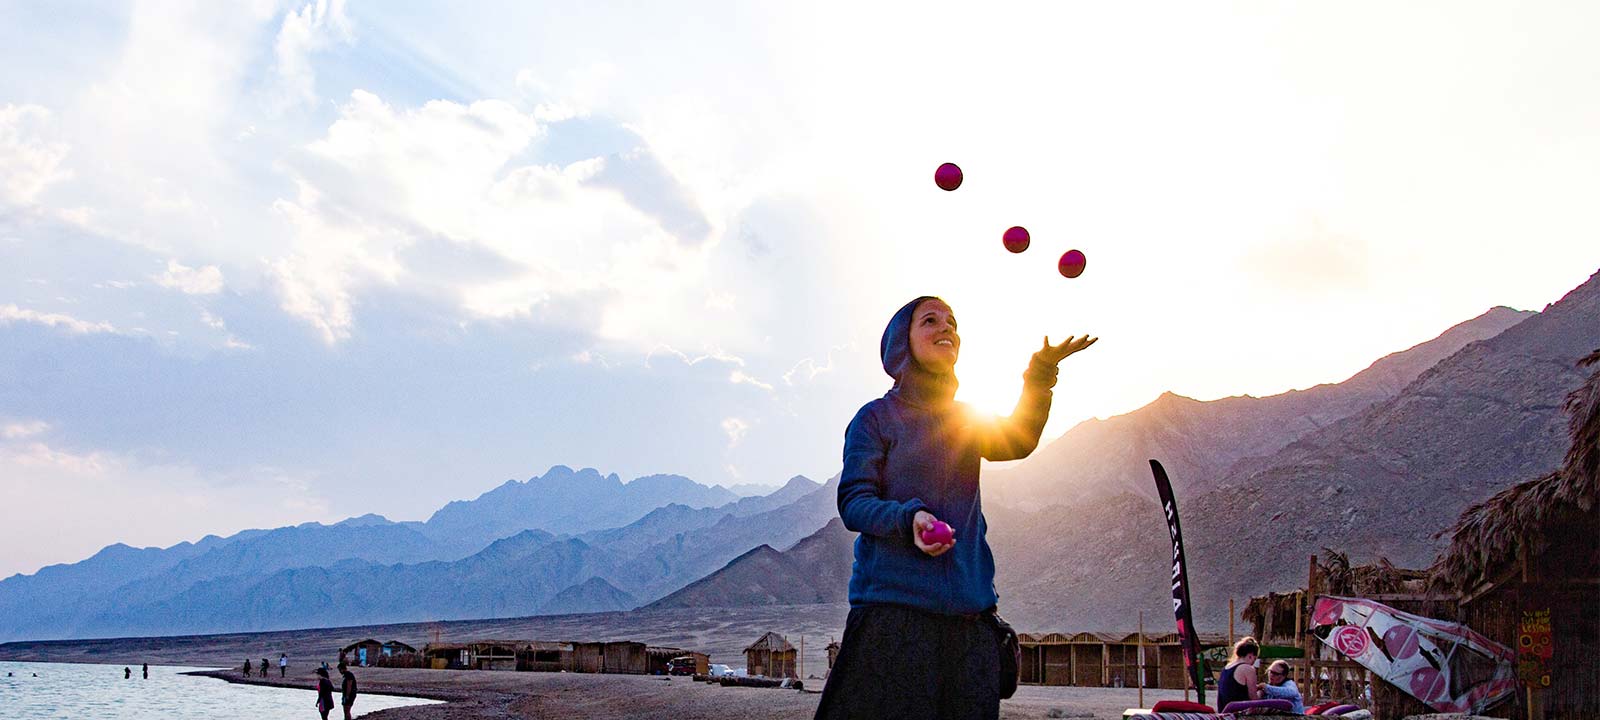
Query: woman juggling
column 919, row 641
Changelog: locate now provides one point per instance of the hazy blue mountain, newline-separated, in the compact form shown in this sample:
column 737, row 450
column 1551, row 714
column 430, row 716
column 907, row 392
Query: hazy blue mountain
column 261, row 579
column 513, row 576
column 58, row 597
column 663, row 523
column 687, row 556
column 815, row 570
column 592, row 595
column 565, row 501
column 750, row 489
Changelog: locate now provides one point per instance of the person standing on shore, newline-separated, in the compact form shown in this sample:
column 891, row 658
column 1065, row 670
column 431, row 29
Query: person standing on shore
column 324, row 693
column 264, row 667
column 347, row 689
column 921, row 640
column 283, row 664
column 147, row 671
column 127, row 673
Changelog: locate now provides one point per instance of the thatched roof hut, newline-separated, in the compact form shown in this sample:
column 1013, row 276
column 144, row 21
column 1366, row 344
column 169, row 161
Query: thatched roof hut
column 1523, row 566
column 771, row 656
column 1546, row 520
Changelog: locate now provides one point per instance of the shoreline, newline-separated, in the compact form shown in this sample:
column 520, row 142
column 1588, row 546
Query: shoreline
column 234, row 677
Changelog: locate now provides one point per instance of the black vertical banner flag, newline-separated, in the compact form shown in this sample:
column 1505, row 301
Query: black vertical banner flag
column 1180, row 583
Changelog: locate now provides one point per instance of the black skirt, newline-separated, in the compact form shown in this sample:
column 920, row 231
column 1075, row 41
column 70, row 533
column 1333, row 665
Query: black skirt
column 898, row 662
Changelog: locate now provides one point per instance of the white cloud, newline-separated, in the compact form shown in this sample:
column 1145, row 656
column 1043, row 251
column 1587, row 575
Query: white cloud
column 735, row 428
column 11, row 313
column 315, row 26
column 28, row 162
column 382, row 179
column 808, row 369
column 22, row 429
column 740, row 377
column 714, row 353
column 205, row 280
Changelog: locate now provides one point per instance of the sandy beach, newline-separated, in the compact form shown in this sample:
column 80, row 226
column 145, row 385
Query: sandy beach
column 535, row 696
column 722, row 633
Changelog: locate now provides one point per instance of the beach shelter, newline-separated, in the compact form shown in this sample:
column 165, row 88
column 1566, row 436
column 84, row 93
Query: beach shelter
column 361, row 652
column 771, row 656
column 395, row 647
column 1524, row 569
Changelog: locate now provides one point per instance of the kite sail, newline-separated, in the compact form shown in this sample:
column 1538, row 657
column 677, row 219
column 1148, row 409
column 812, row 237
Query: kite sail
column 1443, row 664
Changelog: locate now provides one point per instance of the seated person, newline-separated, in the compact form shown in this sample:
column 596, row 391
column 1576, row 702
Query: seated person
column 1238, row 680
column 1280, row 686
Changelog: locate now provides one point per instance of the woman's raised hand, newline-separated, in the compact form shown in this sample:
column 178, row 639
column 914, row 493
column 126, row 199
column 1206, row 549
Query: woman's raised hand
column 1057, row 353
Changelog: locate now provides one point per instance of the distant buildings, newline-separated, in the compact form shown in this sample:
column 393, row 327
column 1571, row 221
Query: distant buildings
column 367, row 652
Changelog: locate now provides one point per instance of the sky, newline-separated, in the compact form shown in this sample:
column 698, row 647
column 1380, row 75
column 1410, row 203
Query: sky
column 266, row 263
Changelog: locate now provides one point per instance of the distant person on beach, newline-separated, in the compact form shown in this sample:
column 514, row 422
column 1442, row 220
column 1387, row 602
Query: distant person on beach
column 347, row 689
column 1238, row 681
column 147, row 671
column 324, row 693
column 247, row 667
column 921, row 640
column 127, row 673
column 1280, row 686
column 264, row 667
column 283, row 664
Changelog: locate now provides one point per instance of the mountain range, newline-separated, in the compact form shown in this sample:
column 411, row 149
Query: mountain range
column 369, row 569
column 1373, row 465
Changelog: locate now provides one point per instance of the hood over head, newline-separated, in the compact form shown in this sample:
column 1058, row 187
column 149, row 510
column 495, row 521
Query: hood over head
column 912, row 383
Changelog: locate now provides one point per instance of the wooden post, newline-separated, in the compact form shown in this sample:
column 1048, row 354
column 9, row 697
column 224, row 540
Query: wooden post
column 1105, row 664
column 1230, row 623
column 1141, row 658
column 1311, row 648
column 1299, row 626
column 801, row 671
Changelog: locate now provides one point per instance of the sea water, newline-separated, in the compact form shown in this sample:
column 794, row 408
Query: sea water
column 80, row 692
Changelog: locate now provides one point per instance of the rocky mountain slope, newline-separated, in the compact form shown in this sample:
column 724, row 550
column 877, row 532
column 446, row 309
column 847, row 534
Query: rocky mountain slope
column 1200, row 441
column 815, row 570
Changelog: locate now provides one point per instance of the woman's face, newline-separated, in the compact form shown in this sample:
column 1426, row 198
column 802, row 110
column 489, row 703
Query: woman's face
column 934, row 342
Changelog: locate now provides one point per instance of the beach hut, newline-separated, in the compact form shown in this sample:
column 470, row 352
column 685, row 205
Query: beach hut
column 494, row 654
column 447, row 656
column 626, row 657
column 361, row 652
column 771, row 656
column 395, row 647
column 545, row 656
column 588, row 657
column 1524, row 567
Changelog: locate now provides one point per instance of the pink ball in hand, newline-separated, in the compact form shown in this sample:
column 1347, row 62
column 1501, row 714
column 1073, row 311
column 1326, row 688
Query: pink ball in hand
column 938, row 534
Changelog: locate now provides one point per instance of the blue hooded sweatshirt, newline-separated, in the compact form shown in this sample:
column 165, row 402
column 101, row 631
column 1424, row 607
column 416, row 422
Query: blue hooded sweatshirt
column 914, row 449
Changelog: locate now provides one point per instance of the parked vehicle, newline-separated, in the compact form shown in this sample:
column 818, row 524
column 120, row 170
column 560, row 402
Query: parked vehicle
column 719, row 670
column 681, row 665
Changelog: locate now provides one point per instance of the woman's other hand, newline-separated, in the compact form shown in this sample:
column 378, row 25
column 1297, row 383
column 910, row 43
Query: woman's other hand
column 1056, row 353
column 924, row 520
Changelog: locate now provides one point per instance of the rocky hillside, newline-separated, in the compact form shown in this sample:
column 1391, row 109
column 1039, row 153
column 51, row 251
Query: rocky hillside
column 1382, row 481
column 815, row 570
column 1199, row 441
